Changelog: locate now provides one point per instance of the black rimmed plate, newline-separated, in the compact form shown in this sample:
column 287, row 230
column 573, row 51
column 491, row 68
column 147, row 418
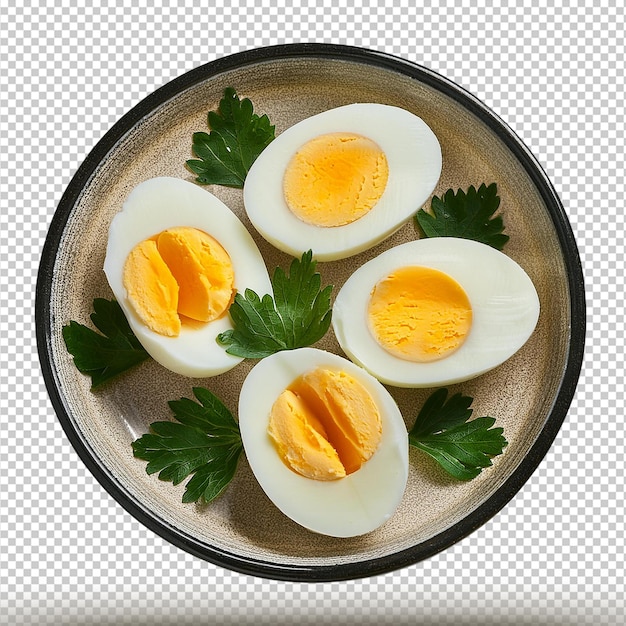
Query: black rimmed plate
column 529, row 395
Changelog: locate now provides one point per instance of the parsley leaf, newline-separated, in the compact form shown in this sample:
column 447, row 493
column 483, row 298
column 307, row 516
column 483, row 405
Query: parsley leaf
column 467, row 215
column 237, row 137
column 205, row 442
column 296, row 316
column 104, row 356
column 442, row 430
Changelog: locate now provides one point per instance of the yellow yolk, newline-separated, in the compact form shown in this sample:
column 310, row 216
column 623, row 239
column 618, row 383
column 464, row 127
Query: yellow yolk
column 179, row 272
column 202, row 269
column 325, row 425
column 419, row 314
column 335, row 179
column 151, row 289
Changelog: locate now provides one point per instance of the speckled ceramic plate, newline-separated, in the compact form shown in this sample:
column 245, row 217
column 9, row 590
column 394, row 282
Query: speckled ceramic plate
column 529, row 395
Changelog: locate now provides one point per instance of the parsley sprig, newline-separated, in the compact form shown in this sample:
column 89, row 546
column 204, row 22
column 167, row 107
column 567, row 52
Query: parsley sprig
column 204, row 443
column 466, row 215
column 442, row 430
column 297, row 315
column 237, row 136
column 104, row 356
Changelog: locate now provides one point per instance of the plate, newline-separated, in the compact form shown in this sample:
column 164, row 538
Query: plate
column 529, row 395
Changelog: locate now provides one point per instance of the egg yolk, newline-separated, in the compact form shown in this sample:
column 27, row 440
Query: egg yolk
column 335, row 179
column 419, row 314
column 325, row 425
column 179, row 272
column 151, row 289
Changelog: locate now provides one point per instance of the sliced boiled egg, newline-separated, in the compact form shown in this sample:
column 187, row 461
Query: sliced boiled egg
column 176, row 256
column 435, row 312
column 343, row 180
column 325, row 440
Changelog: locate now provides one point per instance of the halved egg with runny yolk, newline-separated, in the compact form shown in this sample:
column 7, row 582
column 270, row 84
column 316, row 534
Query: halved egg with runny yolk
column 176, row 256
column 435, row 311
column 343, row 180
column 325, row 440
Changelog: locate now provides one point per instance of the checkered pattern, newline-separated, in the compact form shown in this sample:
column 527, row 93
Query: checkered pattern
column 69, row 554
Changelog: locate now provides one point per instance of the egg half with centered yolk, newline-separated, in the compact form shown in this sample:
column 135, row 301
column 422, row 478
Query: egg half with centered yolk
column 325, row 440
column 176, row 256
column 435, row 312
column 343, row 180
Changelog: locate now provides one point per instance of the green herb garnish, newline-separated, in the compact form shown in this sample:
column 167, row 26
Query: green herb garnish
column 237, row 137
column 104, row 356
column 442, row 430
column 205, row 442
column 466, row 215
column 296, row 316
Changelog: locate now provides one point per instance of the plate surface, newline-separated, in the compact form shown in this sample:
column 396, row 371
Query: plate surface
column 528, row 395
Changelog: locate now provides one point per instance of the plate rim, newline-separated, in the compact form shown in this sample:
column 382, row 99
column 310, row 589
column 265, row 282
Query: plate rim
column 304, row 572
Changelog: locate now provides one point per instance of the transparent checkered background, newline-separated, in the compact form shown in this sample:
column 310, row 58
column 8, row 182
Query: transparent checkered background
column 69, row 554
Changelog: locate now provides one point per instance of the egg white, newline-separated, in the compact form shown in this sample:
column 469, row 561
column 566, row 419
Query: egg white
column 504, row 302
column 414, row 159
column 164, row 202
column 351, row 506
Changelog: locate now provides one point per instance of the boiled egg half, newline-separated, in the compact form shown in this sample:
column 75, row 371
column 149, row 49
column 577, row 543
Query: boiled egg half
column 343, row 180
column 325, row 440
column 176, row 256
column 435, row 312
